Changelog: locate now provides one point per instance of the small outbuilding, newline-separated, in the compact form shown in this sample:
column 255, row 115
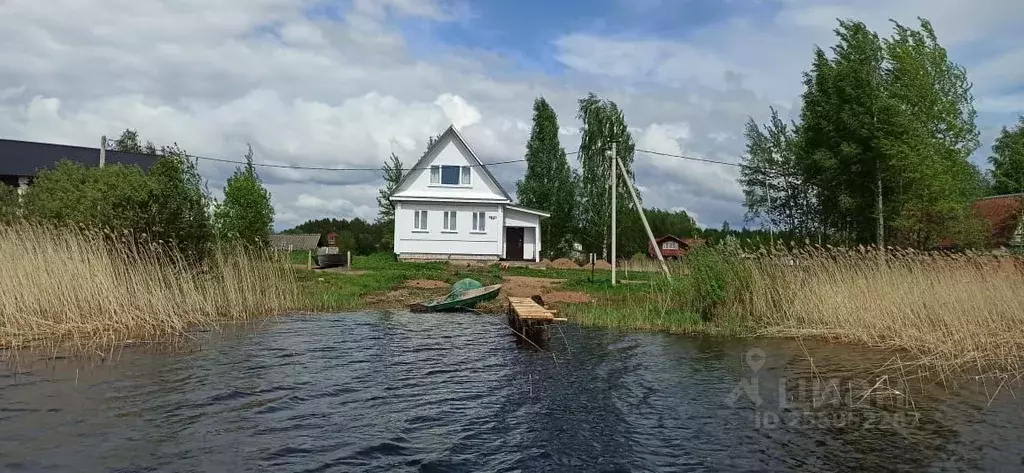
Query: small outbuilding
column 299, row 242
column 673, row 247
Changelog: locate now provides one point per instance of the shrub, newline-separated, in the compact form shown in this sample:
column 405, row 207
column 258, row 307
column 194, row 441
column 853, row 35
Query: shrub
column 9, row 205
column 715, row 280
column 246, row 214
column 167, row 205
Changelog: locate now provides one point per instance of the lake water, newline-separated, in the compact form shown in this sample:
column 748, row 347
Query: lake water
column 398, row 392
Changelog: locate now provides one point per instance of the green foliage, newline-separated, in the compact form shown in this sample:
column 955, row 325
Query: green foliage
column 715, row 278
column 179, row 203
column 246, row 214
column 392, row 173
column 9, row 204
column 676, row 223
column 114, row 197
column 130, row 142
column 356, row 235
column 548, row 184
column 604, row 124
column 882, row 147
column 1007, row 160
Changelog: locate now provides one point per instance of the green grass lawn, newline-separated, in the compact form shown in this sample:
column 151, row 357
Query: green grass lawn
column 641, row 300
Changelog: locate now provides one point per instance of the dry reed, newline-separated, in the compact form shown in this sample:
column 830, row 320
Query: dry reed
column 958, row 312
column 85, row 287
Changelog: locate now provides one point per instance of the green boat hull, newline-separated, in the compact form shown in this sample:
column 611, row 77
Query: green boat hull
column 466, row 300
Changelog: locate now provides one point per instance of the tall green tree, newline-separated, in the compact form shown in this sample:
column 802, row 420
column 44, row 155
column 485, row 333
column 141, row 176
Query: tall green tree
column 931, row 139
column 130, row 142
column 180, row 202
column 881, row 152
column 392, row 173
column 1007, row 160
column 548, row 184
column 246, row 214
column 604, row 124
column 774, row 186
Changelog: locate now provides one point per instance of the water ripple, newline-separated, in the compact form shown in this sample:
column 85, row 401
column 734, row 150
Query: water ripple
column 401, row 392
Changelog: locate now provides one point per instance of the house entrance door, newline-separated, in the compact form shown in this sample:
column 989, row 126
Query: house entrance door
column 514, row 237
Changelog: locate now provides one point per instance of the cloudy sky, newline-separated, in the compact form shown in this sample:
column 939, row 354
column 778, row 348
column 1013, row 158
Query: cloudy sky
column 345, row 83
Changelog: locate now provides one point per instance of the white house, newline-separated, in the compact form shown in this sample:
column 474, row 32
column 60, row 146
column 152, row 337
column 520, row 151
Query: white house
column 449, row 206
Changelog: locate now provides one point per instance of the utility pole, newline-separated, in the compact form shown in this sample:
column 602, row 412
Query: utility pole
column 103, row 150
column 643, row 218
column 613, row 211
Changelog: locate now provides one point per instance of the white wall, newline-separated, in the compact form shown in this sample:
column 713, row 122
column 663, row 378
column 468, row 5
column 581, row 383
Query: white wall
column 450, row 151
column 529, row 244
column 515, row 218
column 435, row 240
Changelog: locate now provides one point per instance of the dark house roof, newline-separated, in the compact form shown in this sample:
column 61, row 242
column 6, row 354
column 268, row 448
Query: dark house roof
column 25, row 158
column 302, row 242
column 1002, row 214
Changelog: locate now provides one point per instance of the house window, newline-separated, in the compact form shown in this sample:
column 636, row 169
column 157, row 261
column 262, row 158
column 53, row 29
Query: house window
column 420, row 220
column 449, row 221
column 450, row 175
column 670, row 245
column 478, row 221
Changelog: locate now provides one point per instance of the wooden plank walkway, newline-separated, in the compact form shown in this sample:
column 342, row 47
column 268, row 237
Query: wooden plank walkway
column 526, row 309
column 530, row 320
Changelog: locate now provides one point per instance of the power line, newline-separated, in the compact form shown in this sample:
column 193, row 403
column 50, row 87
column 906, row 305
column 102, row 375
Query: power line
column 690, row 158
column 326, row 168
column 319, row 168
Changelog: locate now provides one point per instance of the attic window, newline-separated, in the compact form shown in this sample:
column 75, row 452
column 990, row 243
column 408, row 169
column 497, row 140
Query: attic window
column 670, row 245
column 450, row 175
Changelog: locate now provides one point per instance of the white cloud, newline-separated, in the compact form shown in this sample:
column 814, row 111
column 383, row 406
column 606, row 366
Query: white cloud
column 308, row 90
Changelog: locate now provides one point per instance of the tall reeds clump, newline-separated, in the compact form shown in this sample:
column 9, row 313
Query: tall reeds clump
column 956, row 310
column 76, row 285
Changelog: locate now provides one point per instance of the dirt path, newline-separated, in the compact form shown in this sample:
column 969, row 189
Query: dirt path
column 516, row 286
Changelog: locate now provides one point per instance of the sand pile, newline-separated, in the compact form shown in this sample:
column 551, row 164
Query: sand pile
column 563, row 263
column 602, row 264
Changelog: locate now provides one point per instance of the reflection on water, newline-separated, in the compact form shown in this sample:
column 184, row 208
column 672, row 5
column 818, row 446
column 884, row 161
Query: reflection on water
column 393, row 392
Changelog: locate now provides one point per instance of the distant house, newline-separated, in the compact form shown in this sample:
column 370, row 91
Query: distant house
column 1002, row 215
column 673, row 247
column 302, row 242
column 21, row 161
column 450, row 206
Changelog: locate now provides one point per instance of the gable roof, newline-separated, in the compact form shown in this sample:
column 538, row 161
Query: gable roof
column 1002, row 215
column 307, row 241
column 26, row 158
column 452, row 133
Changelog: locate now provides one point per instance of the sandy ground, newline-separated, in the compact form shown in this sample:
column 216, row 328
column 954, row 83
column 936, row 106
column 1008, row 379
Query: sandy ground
column 427, row 284
column 515, row 286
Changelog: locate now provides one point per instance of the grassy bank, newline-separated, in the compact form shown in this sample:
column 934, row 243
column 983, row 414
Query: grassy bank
column 68, row 285
column 952, row 311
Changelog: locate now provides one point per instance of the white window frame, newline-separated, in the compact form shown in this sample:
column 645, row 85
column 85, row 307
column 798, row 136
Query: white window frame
column 670, row 245
column 451, row 224
column 465, row 175
column 419, row 221
column 479, row 225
